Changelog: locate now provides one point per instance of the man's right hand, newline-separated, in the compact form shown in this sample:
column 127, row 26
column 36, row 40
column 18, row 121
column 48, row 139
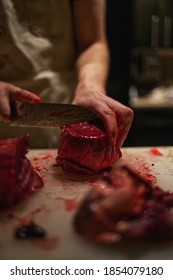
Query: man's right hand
column 10, row 93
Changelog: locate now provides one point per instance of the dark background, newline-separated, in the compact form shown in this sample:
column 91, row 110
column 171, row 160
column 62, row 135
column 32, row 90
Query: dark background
column 129, row 26
column 119, row 34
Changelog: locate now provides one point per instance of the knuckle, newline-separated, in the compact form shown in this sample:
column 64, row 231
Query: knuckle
column 108, row 112
column 129, row 112
column 128, row 115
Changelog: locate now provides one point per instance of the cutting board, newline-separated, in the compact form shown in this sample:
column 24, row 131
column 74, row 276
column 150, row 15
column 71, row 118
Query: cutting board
column 53, row 208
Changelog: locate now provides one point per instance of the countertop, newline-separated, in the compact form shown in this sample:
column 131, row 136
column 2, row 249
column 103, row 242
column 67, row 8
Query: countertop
column 54, row 206
column 160, row 98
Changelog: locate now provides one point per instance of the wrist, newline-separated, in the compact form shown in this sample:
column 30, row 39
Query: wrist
column 89, row 86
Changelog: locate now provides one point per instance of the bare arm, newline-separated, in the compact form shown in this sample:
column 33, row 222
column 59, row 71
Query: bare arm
column 93, row 60
column 92, row 67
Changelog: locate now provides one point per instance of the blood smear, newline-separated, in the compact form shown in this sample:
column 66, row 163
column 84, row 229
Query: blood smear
column 27, row 218
column 48, row 243
column 156, row 152
column 41, row 164
column 70, row 204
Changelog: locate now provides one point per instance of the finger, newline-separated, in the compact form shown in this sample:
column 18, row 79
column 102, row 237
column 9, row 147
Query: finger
column 26, row 96
column 22, row 95
column 124, row 121
column 5, row 110
column 109, row 119
column 106, row 114
column 111, row 153
column 124, row 117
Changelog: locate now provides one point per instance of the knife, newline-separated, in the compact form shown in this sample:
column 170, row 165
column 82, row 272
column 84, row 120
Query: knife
column 49, row 114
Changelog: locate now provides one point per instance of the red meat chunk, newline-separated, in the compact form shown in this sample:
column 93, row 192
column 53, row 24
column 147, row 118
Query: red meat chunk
column 84, row 148
column 18, row 178
column 125, row 206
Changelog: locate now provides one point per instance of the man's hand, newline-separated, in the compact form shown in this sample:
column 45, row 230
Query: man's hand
column 10, row 93
column 116, row 117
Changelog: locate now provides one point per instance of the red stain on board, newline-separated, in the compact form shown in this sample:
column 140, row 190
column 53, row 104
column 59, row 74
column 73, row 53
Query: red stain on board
column 144, row 171
column 41, row 164
column 151, row 179
column 141, row 169
column 47, row 243
column 142, row 164
column 156, row 152
column 35, row 159
column 70, row 204
column 27, row 218
column 46, row 156
column 42, row 171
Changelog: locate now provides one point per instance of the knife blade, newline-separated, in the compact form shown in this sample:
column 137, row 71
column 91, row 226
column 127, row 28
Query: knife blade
column 50, row 115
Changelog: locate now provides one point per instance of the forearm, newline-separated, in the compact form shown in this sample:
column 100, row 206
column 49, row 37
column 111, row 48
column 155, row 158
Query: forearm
column 93, row 60
column 92, row 66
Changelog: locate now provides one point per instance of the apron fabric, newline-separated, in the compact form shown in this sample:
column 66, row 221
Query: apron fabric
column 37, row 53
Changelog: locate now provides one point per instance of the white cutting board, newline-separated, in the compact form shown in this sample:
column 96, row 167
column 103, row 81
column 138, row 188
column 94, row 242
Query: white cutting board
column 54, row 206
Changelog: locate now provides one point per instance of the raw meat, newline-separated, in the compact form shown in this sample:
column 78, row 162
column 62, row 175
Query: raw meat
column 125, row 206
column 84, row 148
column 18, row 179
column 30, row 230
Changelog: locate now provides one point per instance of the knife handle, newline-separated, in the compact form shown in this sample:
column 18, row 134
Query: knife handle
column 16, row 110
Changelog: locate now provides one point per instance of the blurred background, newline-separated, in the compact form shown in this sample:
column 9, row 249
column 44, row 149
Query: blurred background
column 140, row 37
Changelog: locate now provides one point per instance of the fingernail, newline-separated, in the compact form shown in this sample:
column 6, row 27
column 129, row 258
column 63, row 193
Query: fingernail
column 36, row 99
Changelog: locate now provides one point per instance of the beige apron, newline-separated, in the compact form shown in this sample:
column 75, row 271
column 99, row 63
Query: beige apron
column 37, row 52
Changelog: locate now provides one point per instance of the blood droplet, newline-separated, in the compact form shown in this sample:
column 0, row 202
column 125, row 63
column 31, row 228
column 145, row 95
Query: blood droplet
column 156, row 152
